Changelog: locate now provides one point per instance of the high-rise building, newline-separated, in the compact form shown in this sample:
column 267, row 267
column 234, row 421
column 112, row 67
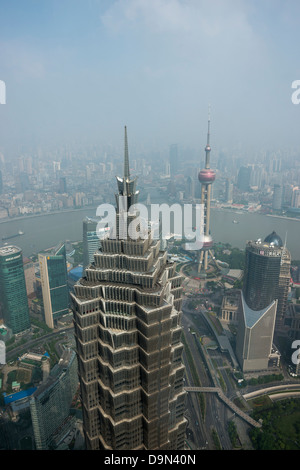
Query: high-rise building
column 206, row 177
column 127, row 312
column 296, row 197
column 50, row 403
column 254, row 338
column 189, row 188
column 264, row 300
column 29, row 271
column 277, row 197
column 261, row 274
column 1, row 183
column 13, row 295
column 244, row 177
column 91, row 240
column 62, row 184
column 228, row 191
column 174, row 162
column 54, row 281
column 284, row 279
column 267, row 274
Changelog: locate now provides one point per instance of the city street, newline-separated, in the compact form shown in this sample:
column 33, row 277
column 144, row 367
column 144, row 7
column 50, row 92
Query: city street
column 217, row 414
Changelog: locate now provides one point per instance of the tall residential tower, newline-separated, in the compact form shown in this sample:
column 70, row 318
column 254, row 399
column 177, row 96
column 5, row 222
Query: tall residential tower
column 127, row 312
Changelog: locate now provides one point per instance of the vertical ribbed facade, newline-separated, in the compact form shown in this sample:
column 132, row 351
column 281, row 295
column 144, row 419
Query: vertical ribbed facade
column 127, row 312
column 55, row 292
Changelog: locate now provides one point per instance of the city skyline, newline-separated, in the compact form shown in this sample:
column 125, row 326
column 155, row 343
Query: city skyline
column 124, row 284
column 178, row 346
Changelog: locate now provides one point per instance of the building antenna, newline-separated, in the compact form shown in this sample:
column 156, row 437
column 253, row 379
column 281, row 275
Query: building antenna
column 126, row 158
column 207, row 148
column 285, row 239
column 208, row 130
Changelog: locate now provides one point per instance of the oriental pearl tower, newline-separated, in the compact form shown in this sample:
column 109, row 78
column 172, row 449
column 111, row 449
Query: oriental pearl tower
column 206, row 177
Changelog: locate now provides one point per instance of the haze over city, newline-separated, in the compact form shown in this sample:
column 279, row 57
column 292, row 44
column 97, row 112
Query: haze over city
column 122, row 328
column 77, row 71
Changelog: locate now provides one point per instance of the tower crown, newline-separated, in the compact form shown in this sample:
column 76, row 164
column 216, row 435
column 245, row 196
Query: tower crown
column 127, row 185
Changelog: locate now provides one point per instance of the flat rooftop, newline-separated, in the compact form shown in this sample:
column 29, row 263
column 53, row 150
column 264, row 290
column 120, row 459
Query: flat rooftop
column 9, row 250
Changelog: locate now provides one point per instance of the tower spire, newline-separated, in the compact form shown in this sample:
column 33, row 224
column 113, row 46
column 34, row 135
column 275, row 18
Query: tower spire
column 208, row 128
column 207, row 148
column 126, row 159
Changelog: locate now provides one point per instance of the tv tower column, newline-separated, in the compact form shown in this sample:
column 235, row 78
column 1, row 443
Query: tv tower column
column 206, row 177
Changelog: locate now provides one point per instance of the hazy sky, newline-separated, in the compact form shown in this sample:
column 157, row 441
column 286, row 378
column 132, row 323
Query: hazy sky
column 82, row 69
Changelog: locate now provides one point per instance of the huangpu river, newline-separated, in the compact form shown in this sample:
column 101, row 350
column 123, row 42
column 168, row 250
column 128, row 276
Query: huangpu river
column 45, row 231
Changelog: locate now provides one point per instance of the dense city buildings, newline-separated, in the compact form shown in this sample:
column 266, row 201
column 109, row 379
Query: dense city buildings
column 13, row 295
column 54, row 281
column 127, row 312
column 50, row 403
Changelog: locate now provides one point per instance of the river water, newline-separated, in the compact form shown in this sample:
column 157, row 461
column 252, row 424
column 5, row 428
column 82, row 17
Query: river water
column 45, row 231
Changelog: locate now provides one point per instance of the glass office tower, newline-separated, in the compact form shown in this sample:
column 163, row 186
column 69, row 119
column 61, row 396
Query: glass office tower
column 91, row 241
column 53, row 269
column 261, row 275
column 267, row 275
column 50, row 403
column 264, row 300
column 127, row 312
column 13, row 298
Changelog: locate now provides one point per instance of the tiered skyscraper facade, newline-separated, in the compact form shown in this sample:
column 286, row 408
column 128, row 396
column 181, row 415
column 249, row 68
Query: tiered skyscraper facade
column 127, row 312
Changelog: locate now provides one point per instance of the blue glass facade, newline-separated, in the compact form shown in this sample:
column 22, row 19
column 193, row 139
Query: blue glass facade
column 14, row 302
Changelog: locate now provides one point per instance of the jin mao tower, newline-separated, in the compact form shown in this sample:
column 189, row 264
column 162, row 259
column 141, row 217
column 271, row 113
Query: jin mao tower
column 127, row 312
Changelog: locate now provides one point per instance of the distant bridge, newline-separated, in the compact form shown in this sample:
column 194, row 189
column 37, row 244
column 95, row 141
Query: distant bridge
column 226, row 400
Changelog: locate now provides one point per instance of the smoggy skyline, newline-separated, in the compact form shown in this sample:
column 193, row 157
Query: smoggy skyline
column 81, row 70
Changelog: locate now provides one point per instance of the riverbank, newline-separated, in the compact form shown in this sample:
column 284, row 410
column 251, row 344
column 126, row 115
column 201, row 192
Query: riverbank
column 44, row 230
column 87, row 208
column 242, row 212
column 44, row 214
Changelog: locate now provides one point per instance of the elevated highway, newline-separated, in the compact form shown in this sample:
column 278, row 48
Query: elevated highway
column 228, row 402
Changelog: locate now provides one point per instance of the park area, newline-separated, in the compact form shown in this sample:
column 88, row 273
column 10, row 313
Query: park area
column 281, row 424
